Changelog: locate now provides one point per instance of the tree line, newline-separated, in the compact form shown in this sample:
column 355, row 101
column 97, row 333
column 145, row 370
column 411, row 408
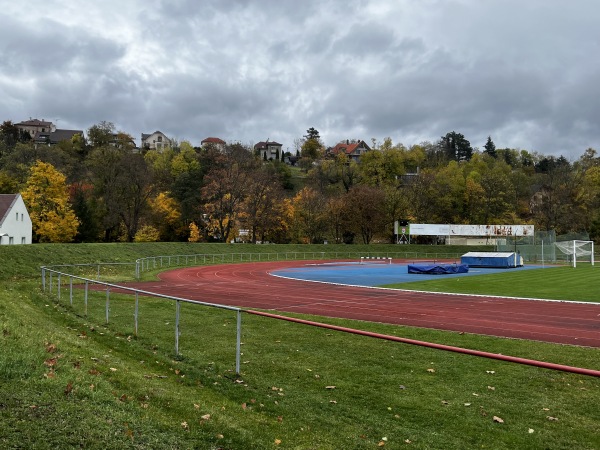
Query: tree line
column 100, row 190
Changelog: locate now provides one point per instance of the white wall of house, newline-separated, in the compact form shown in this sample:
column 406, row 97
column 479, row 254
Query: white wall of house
column 16, row 227
column 156, row 141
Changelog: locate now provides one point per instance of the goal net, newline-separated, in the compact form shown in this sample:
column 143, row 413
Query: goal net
column 582, row 251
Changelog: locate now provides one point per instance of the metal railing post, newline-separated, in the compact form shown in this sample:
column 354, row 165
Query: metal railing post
column 71, row 290
column 85, row 298
column 136, row 312
column 238, row 344
column 58, row 285
column 107, row 303
column 177, row 308
column 44, row 279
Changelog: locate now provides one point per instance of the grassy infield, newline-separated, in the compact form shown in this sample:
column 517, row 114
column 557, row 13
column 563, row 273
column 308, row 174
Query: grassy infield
column 71, row 381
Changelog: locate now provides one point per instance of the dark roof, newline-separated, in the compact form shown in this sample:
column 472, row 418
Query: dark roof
column 6, row 202
column 56, row 136
column 262, row 144
column 34, row 123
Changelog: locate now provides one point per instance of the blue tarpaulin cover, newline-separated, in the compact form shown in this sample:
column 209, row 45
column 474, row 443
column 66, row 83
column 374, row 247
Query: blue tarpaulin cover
column 437, row 269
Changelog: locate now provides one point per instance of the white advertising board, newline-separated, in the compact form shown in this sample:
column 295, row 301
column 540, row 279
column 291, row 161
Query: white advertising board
column 424, row 229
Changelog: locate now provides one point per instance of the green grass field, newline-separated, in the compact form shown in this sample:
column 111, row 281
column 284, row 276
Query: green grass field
column 559, row 283
column 69, row 380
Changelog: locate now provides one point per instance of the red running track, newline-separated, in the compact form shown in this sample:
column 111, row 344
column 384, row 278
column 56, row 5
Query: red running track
column 251, row 286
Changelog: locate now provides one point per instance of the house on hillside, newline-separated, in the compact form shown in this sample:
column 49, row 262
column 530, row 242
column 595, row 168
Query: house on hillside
column 269, row 150
column 56, row 136
column 215, row 142
column 155, row 141
column 35, row 126
column 15, row 223
column 353, row 150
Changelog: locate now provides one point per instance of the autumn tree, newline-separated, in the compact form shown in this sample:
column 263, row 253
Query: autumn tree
column 261, row 208
column 558, row 203
column 122, row 184
column 310, row 219
column 47, row 199
column 337, row 216
column 366, row 211
column 456, row 146
column 311, row 149
column 101, row 134
column 224, row 191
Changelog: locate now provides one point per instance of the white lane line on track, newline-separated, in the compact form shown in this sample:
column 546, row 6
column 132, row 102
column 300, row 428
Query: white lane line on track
column 440, row 293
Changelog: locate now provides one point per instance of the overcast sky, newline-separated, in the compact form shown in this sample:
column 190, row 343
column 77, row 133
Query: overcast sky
column 525, row 72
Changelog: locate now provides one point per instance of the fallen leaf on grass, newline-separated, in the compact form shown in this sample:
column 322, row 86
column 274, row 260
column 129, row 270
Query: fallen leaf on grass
column 498, row 419
column 408, row 441
column 277, row 441
column 490, row 371
column 431, row 370
column 205, row 417
column 329, row 387
column 381, row 444
column 531, row 430
column 491, row 388
column 444, row 402
column 50, row 348
column 69, row 388
column 467, row 404
column 552, row 419
column 112, row 369
column 185, row 425
column 50, row 362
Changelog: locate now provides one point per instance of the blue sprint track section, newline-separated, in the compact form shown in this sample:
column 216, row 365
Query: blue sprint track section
column 373, row 275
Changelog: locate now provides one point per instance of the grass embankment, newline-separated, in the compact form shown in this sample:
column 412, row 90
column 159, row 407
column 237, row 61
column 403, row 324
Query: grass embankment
column 72, row 381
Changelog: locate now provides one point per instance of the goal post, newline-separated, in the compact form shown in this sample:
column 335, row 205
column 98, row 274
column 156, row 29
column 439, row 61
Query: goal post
column 577, row 250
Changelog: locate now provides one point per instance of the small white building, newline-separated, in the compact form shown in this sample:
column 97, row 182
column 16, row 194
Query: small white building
column 155, row 141
column 15, row 223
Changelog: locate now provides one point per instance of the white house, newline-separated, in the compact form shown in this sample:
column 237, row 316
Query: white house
column 155, row 141
column 269, row 150
column 15, row 223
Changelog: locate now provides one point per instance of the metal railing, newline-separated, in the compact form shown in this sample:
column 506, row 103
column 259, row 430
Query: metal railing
column 49, row 273
column 158, row 262
column 148, row 263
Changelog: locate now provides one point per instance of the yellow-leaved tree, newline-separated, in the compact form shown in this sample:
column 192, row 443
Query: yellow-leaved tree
column 47, row 199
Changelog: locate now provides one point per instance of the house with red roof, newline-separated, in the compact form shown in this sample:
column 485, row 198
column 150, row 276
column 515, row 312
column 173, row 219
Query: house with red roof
column 353, row 150
column 15, row 223
column 215, row 142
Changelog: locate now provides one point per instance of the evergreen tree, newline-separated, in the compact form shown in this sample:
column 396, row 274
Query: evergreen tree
column 490, row 147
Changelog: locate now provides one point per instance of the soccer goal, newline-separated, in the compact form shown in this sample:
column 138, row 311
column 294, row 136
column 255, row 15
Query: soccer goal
column 582, row 251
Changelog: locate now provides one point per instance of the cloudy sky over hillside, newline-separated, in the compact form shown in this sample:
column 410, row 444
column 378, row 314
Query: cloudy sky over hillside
column 525, row 72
